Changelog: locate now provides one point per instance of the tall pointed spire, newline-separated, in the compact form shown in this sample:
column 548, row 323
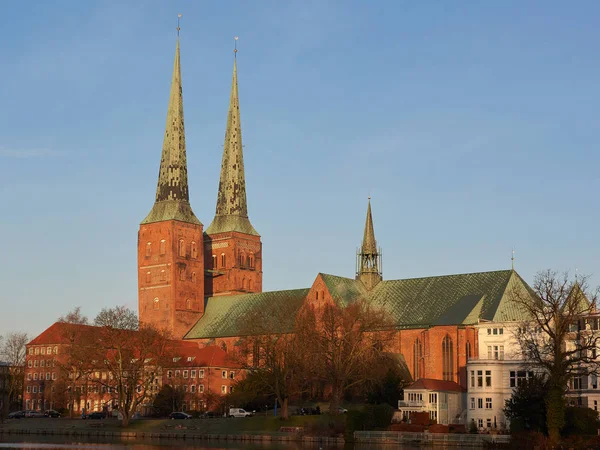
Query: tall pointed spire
column 369, row 257
column 172, row 194
column 232, row 210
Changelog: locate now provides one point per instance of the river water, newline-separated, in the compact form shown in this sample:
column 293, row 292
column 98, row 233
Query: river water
column 61, row 442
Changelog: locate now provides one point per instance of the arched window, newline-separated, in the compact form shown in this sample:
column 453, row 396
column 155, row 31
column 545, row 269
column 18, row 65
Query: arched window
column 223, row 346
column 163, row 275
column 242, row 260
column 417, row 355
column 148, row 277
column 181, row 247
column 322, row 295
column 251, row 261
column 194, row 250
column 243, row 283
column 188, row 304
column 214, row 261
column 148, row 249
column 193, row 277
column 182, row 273
column 249, row 285
column 468, row 350
column 163, row 247
column 156, row 304
column 447, row 358
column 223, row 260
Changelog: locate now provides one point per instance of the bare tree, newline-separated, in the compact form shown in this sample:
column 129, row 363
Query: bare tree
column 119, row 317
column 74, row 316
column 13, row 351
column 273, row 361
column 557, row 340
column 344, row 343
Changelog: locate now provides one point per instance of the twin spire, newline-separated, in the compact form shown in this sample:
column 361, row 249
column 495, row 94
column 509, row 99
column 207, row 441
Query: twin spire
column 172, row 192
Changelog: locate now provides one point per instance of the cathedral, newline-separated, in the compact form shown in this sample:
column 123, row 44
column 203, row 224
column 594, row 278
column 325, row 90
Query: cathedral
column 202, row 283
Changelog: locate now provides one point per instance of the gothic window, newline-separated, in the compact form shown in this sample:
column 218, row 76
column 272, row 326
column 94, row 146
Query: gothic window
column 182, row 273
column 468, row 350
column 193, row 277
column 447, row 358
column 156, row 304
column 223, row 260
column 322, row 295
column 417, row 355
column 148, row 277
column 251, row 261
column 194, row 250
column 188, row 304
column 249, row 284
column 163, row 275
column 148, row 249
column 214, row 261
column 242, row 260
column 163, row 247
column 181, row 247
column 243, row 283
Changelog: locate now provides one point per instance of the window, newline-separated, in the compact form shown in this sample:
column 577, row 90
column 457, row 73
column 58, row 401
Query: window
column 495, row 331
column 55, row 350
column 488, row 378
column 201, row 373
column 417, row 355
column 148, row 249
column 223, row 260
column 433, row 398
column 35, row 363
column 201, row 388
column 480, row 403
column 182, row 273
column 594, row 381
column 181, row 247
column 223, row 389
column 472, row 378
column 232, row 375
column 489, row 331
column 496, row 352
column 188, row 304
column 31, row 351
column 163, row 247
column 472, row 402
column 500, row 330
column 468, row 350
column 595, row 405
column 42, row 363
column 224, row 374
column 193, row 374
column 185, row 374
column 148, row 277
column 170, row 374
column 488, row 403
column 194, row 250
column 37, row 350
column 224, row 346
column 43, row 350
column 251, row 261
column 518, row 377
column 29, row 376
column 447, row 358
column 28, row 389
column 480, row 378
column 30, row 363
column 193, row 388
column 163, row 275
column 54, row 375
column 177, row 373
column 489, row 423
column 193, row 277
column 47, row 376
column 34, row 389
column 156, row 303
column 185, row 388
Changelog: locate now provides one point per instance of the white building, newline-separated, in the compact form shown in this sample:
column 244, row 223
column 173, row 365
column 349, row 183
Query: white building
column 443, row 400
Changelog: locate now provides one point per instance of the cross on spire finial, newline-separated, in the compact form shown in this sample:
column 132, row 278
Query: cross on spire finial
column 235, row 39
column 178, row 28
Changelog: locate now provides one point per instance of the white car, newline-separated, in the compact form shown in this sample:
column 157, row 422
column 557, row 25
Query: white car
column 239, row 412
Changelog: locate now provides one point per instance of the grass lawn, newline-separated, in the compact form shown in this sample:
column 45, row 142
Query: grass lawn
column 247, row 425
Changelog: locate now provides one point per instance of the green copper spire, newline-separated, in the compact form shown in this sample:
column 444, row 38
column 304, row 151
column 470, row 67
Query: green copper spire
column 172, row 195
column 232, row 209
column 368, row 259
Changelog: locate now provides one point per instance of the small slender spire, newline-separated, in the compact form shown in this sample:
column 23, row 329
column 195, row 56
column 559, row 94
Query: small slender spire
column 172, row 191
column 369, row 257
column 512, row 259
column 232, row 209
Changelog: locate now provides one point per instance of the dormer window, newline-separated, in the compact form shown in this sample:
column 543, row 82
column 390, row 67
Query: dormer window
column 191, row 358
column 177, row 358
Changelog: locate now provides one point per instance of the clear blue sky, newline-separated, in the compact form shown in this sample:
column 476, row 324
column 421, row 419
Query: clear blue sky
column 473, row 125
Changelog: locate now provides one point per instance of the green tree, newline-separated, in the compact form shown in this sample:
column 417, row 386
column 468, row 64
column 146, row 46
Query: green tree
column 526, row 409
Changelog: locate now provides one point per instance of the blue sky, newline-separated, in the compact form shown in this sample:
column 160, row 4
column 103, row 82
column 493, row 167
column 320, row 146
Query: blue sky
column 473, row 125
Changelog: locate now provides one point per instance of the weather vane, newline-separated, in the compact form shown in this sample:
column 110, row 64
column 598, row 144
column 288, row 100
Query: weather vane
column 178, row 19
column 235, row 46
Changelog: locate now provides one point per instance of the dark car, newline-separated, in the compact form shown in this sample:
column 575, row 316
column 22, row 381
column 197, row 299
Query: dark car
column 96, row 415
column 51, row 413
column 179, row 415
column 211, row 415
column 17, row 415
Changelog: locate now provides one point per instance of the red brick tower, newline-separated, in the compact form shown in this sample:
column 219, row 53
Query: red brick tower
column 170, row 251
column 232, row 247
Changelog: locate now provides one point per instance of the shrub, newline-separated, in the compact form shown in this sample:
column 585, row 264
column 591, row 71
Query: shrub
column 580, row 421
column 371, row 417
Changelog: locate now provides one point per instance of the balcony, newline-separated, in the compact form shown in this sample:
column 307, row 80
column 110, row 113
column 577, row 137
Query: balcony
column 413, row 404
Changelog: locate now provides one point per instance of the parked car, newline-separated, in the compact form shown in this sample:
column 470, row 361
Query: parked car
column 239, row 412
column 16, row 415
column 96, row 415
column 51, row 413
column 31, row 414
column 210, row 415
column 179, row 415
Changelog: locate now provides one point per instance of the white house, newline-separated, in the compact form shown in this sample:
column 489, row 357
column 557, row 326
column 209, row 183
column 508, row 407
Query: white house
column 443, row 400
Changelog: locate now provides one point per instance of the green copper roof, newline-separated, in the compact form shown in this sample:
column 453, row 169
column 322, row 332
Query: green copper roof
column 172, row 195
column 228, row 315
column 462, row 299
column 232, row 208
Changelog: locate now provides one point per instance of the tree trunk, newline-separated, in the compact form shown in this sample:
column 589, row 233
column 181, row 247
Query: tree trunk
column 125, row 418
column 555, row 413
column 284, row 409
column 336, row 398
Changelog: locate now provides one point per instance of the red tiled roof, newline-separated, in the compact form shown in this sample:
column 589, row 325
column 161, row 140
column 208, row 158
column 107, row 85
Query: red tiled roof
column 210, row 356
column 58, row 333
column 435, row 385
